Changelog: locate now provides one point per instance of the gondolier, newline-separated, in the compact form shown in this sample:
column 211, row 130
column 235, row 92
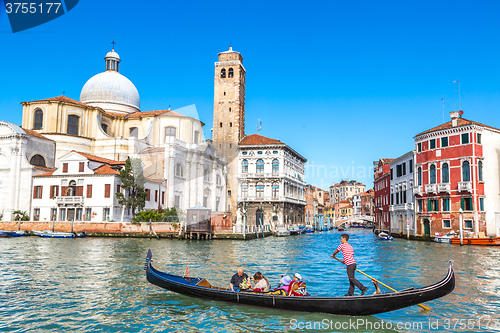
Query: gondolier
column 348, row 253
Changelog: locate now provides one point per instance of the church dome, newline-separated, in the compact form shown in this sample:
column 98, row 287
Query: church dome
column 110, row 90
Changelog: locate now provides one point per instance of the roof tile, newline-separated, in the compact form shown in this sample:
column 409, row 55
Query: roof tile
column 255, row 139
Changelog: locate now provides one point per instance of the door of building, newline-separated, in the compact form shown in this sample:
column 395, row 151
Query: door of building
column 427, row 227
column 71, row 214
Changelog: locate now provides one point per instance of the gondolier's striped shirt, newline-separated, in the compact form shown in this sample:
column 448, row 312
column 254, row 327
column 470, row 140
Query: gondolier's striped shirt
column 347, row 252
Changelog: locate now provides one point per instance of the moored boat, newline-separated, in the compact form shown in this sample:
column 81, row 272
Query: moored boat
column 443, row 239
column 385, row 236
column 485, row 241
column 58, row 234
column 281, row 232
column 351, row 305
column 294, row 230
column 309, row 229
column 18, row 233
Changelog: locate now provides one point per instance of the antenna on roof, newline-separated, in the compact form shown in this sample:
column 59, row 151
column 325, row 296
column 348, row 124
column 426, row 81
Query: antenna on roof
column 259, row 127
column 459, row 100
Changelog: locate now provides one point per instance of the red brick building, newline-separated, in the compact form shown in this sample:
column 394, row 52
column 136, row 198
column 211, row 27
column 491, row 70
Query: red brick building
column 382, row 189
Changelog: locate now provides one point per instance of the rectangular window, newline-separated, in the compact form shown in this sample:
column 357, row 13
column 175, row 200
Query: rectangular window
column 446, row 205
column 410, row 166
column 81, row 166
column 403, row 167
column 62, row 214
column 432, row 144
column 88, row 214
column 53, row 214
column 392, row 198
column 79, row 212
column 397, row 198
column 432, row 205
column 447, row 224
column 118, row 188
column 419, row 147
column 37, row 192
column 479, row 138
column 466, row 204
column 177, row 201
column 89, row 191
column 148, row 194
column 156, row 195
column 468, row 224
column 54, row 191
column 465, row 138
column 36, row 214
column 392, row 173
column 162, row 197
column 420, row 206
column 65, row 167
column 107, row 190
column 481, row 204
column 444, row 142
column 404, row 196
column 105, row 214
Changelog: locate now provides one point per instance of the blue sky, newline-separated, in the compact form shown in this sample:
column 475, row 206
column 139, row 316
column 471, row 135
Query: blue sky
column 344, row 83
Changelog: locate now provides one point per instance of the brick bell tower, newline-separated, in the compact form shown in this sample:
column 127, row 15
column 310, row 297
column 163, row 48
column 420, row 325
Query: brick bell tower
column 229, row 117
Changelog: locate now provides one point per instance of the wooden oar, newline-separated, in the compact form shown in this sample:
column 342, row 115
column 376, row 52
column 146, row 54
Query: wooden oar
column 421, row 305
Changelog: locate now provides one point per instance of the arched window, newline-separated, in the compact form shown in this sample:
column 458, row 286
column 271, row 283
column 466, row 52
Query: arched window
column 218, row 180
column 71, row 191
column 37, row 160
column 244, row 190
column 178, row 170
column 38, row 119
column 445, row 173
column 223, row 73
column 466, row 171
column 133, row 132
column 104, row 128
column 260, row 166
column 276, row 190
column 169, row 131
column 73, row 125
column 419, row 176
column 244, row 166
column 206, row 175
column 480, row 171
column 276, row 166
column 230, row 73
column 260, row 190
column 432, row 174
column 196, row 136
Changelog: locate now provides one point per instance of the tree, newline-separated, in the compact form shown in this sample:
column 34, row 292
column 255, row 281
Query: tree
column 20, row 215
column 132, row 178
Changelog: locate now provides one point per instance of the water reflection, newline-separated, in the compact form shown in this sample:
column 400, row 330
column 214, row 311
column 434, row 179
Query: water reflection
column 92, row 285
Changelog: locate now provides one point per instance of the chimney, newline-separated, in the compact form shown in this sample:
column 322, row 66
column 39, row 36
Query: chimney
column 454, row 118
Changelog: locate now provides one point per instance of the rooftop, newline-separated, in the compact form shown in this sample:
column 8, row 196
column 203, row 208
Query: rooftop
column 460, row 122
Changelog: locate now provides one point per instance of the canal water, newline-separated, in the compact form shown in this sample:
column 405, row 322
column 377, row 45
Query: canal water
column 98, row 284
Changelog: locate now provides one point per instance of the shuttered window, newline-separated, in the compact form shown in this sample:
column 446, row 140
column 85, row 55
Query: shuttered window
column 89, row 191
column 65, row 167
column 107, row 190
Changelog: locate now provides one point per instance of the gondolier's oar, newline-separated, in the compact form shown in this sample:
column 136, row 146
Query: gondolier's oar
column 421, row 305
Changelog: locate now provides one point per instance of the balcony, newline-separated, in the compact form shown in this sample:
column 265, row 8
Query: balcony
column 431, row 188
column 75, row 200
column 402, row 207
column 417, row 190
column 444, row 188
column 391, row 208
column 465, row 186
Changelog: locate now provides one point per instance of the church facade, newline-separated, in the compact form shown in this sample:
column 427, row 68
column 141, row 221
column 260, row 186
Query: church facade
column 107, row 122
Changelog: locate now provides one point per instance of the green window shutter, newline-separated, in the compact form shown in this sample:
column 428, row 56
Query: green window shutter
column 429, row 206
column 462, row 203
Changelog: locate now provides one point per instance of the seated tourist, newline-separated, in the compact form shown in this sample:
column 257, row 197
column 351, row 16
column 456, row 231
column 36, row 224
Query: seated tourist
column 239, row 281
column 261, row 282
column 297, row 286
column 285, row 283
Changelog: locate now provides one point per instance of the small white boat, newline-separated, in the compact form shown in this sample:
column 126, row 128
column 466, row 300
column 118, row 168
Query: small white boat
column 281, row 232
column 295, row 230
column 385, row 236
column 443, row 238
column 57, row 234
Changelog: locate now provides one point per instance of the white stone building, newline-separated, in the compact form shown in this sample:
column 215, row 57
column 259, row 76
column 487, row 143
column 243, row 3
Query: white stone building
column 83, row 188
column 345, row 190
column 271, row 182
column 402, row 200
column 23, row 154
column 108, row 122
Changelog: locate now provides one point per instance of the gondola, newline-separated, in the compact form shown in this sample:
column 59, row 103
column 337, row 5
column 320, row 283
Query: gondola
column 351, row 306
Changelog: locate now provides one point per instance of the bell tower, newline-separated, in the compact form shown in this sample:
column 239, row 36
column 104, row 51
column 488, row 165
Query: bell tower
column 229, row 116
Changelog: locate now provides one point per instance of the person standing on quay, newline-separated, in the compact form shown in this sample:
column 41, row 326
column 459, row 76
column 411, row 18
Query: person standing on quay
column 348, row 253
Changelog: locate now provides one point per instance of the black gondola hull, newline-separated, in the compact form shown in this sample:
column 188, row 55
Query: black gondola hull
column 351, row 306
